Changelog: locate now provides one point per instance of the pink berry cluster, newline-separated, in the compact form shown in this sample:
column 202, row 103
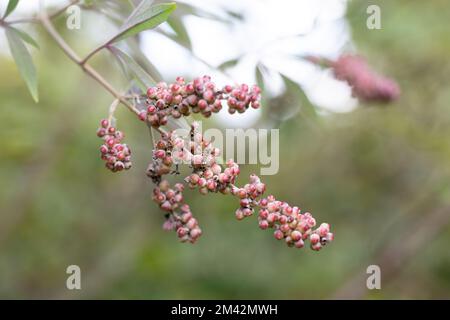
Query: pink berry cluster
column 198, row 96
column 168, row 199
column 185, row 225
column 208, row 175
column 117, row 155
column 248, row 196
column 291, row 225
column 241, row 97
column 164, row 155
column 366, row 84
column 179, row 216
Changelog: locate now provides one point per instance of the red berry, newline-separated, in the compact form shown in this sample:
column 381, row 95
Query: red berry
column 104, row 123
column 142, row 116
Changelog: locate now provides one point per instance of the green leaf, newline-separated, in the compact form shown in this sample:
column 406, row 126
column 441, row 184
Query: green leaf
column 132, row 67
column 144, row 17
column 229, row 64
column 259, row 76
column 142, row 59
column 23, row 61
column 295, row 100
column 26, row 37
column 182, row 36
column 12, row 4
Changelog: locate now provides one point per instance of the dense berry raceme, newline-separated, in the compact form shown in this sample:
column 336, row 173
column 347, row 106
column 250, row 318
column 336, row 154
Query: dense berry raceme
column 291, row 225
column 116, row 154
column 208, row 174
column 248, row 196
column 179, row 216
column 366, row 84
column 167, row 150
column 199, row 96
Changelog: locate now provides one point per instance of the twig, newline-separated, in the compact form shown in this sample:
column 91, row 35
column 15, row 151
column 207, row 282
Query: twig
column 48, row 26
column 92, row 53
column 112, row 109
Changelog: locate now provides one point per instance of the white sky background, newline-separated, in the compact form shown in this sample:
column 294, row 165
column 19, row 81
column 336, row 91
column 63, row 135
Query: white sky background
column 272, row 33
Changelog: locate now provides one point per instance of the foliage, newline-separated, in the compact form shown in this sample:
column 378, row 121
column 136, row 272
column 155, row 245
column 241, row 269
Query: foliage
column 388, row 170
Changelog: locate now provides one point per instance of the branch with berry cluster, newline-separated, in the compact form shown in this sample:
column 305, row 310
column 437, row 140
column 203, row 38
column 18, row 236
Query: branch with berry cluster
column 176, row 100
column 208, row 175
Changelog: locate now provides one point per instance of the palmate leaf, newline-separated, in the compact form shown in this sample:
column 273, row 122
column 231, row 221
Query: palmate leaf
column 144, row 17
column 23, row 61
column 12, row 4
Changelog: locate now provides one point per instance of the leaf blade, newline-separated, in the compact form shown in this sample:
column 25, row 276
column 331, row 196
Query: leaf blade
column 132, row 66
column 182, row 36
column 144, row 17
column 26, row 37
column 12, row 4
column 23, row 61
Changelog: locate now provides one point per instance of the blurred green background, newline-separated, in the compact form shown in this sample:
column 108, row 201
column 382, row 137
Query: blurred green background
column 379, row 175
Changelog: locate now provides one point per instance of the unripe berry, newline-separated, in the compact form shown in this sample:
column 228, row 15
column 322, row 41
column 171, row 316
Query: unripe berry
column 159, row 154
column 263, row 224
column 151, row 109
column 278, row 234
column 263, row 214
column 164, row 186
column 189, row 88
column 192, row 223
column 330, row 236
column 255, row 104
column 296, row 235
column 202, row 104
column 211, row 185
column 314, row 238
column 166, row 206
column 142, row 115
column 110, row 142
column 245, row 202
column 181, row 232
column 104, row 123
column 101, row 132
column 247, row 212
column 195, row 233
column 323, row 229
column 299, row 244
column 284, row 227
column 239, row 214
column 201, row 182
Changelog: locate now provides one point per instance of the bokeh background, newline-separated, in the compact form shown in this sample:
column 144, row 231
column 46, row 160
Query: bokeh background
column 379, row 174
